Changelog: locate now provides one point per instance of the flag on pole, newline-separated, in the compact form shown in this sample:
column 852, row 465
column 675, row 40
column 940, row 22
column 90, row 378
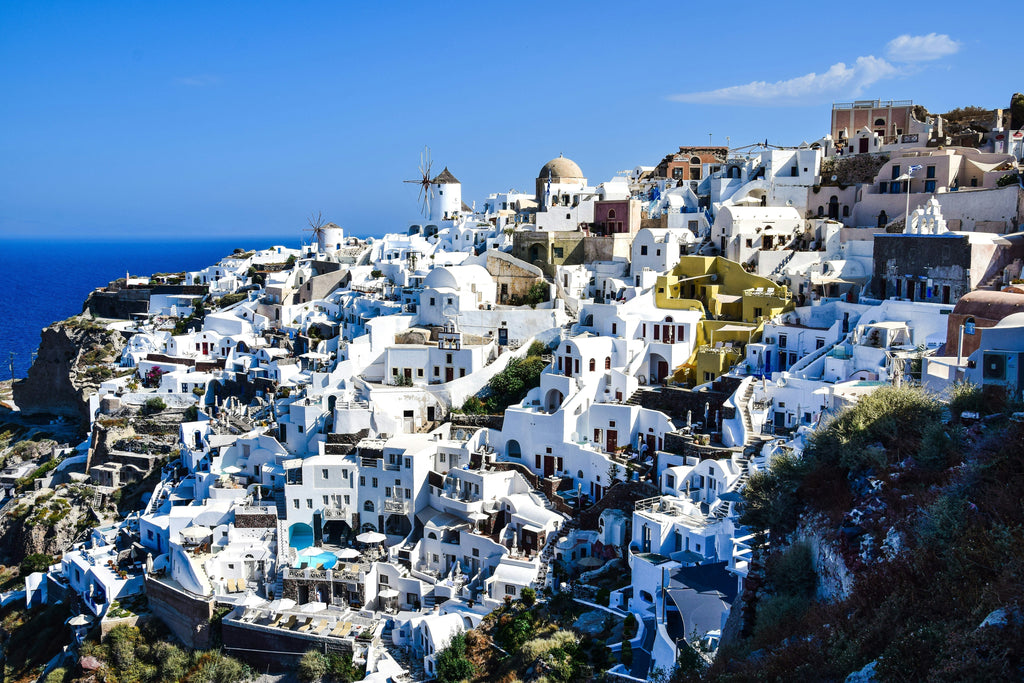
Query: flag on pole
column 914, row 169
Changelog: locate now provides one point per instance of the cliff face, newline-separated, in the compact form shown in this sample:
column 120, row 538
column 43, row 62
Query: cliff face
column 75, row 355
column 45, row 522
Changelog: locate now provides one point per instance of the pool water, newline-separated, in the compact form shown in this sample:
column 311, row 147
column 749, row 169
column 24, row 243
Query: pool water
column 313, row 557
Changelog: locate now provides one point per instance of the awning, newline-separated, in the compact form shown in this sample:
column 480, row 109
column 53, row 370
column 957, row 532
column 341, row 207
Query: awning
column 729, row 298
column 734, row 328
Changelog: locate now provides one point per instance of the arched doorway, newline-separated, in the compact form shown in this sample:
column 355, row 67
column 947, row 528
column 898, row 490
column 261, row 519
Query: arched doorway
column 833, row 207
column 538, row 252
column 658, row 368
column 513, row 449
column 553, row 400
column 338, row 532
column 883, row 220
column 397, row 525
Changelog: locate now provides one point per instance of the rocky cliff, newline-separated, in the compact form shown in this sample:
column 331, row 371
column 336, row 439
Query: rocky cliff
column 75, row 355
column 48, row 522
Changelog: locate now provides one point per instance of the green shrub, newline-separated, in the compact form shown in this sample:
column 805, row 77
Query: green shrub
column 884, row 426
column 627, row 654
column 153, row 405
column 537, row 348
column 779, row 614
column 630, row 626
column 36, row 562
column 965, row 397
column 939, row 443
column 191, row 414
column 57, row 675
column 791, row 571
column 603, row 597
column 528, row 596
column 452, row 664
column 770, row 498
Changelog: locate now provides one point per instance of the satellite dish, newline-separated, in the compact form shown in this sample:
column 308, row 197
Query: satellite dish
column 834, row 177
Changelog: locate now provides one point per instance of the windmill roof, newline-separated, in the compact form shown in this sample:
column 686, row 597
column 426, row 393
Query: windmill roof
column 445, row 177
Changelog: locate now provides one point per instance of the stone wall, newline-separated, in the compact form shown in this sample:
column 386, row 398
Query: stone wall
column 621, row 496
column 273, row 649
column 186, row 616
column 255, row 521
column 489, row 421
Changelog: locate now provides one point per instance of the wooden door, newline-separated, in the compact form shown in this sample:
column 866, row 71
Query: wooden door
column 449, row 374
column 549, row 465
column 613, row 440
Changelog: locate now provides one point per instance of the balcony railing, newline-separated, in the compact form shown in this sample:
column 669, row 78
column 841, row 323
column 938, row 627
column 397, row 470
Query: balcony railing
column 396, row 506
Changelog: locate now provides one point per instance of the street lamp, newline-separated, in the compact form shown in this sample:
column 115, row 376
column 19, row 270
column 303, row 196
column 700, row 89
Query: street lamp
column 906, row 177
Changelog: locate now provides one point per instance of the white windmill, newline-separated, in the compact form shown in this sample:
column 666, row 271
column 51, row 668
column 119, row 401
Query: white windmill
column 426, row 192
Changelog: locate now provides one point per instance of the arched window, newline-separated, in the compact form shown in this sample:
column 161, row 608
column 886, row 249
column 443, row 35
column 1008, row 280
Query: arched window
column 695, row 160
column 593, row 364
column 611, row 213
column 879, row 122
column 821, row 211
column 668, row 318
column 608, row 363
column 579, row 474
column 368, row 506
column 883, row 220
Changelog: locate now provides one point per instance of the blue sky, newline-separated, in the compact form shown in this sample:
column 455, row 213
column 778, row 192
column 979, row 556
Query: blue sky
column 219, row 119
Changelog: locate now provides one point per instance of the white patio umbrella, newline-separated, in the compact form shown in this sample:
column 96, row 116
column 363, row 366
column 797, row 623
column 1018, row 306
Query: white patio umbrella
column 388, row 593
column 347, row 554
column 250, row 599
column 281, row 604
column 371, row 537
column 313, row 607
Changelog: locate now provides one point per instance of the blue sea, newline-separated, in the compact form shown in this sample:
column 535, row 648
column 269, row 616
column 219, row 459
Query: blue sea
column 50, row 280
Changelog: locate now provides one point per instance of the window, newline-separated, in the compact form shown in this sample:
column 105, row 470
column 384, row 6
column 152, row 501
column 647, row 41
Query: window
column 846, row 211
column 593, row 365
column 558, row 252
column 929, row 172
column 476, row 552
column 614, row 326
column 408, row 463
column 608, row 363
column 643, row 250
column 419, row 372
column 295, row 503
column 462, row 372
column 818, row 343
column 431, row 301
column 883, row 187
column 757, row 312
column 387, row 491
column 325, row 472
column 611, row 213
column 325, row 500
column 368, row 506
column 437, row 371
column 895, row 171
column 309, row 503
column 510, row 590
column 383, row 579
column 448, row 358
column 362, row 481
column 929, row 186
column 821, row 211
column 375, row 482
column 782, row 341
column 348, row 500
column 442, row 457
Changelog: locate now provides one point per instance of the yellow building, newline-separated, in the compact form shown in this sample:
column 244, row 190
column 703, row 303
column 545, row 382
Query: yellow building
column 735, row 303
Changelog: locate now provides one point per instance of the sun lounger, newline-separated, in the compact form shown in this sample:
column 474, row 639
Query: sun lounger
column 322, row 627
column 288, row 623
column 336, row 631
column 306, row 626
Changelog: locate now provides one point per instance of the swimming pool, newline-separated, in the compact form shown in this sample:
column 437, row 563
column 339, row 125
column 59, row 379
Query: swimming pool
column 313, row 557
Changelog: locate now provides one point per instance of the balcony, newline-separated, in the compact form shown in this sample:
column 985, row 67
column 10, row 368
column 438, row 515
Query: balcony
column 336, row 512
column 396, row 506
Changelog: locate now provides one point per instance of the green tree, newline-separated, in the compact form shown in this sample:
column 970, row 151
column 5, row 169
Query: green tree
column 528, row 596
column 153, row 405
column 627, row 654
column 452, row 663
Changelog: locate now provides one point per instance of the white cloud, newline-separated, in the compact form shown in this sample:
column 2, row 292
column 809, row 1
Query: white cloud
column 839, row 81
column 908, row 48
column 199, row 81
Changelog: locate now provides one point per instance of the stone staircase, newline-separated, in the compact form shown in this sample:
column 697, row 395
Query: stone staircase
column 782, row 264
column 743, row 405
column 429, row 600
column 544, row 575
column 722, row 510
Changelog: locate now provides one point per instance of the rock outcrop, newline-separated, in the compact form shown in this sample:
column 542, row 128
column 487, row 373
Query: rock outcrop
column 75, row 355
